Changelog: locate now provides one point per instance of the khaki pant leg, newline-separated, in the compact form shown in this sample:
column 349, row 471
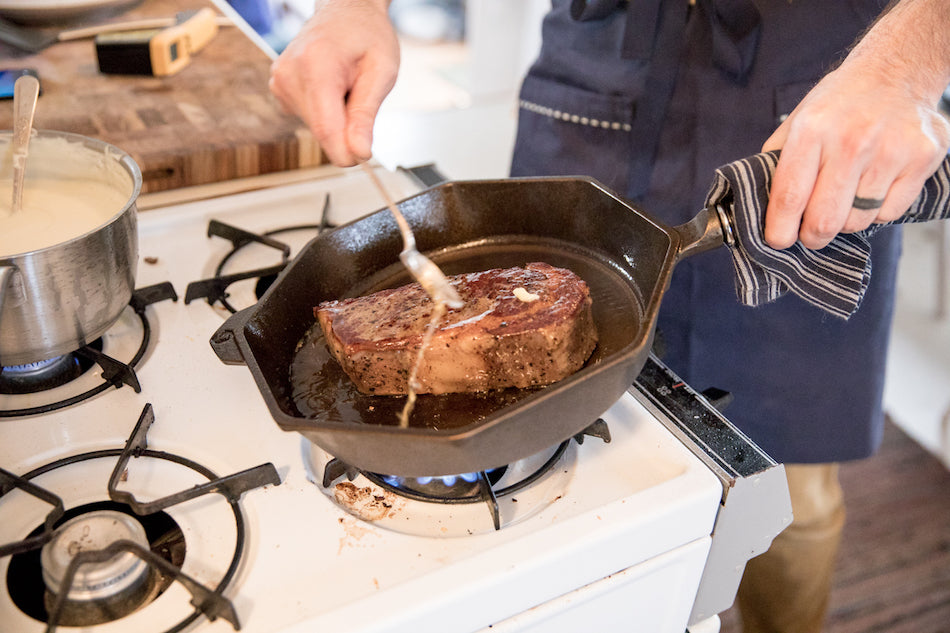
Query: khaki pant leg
column 786, row 589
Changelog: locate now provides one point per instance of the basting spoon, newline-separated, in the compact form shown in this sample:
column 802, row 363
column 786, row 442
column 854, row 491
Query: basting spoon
column 25, row 91
column 422, row 269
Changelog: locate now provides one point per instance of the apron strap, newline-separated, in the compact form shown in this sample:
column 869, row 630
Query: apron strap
column 661, row 25
column 657, row 90
column 735, row 27
column 642, row 29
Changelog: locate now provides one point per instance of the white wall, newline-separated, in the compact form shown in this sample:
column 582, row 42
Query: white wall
column 503, row 37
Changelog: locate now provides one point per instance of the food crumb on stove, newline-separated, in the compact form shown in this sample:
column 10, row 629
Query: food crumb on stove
column 367, row 503
column 150, row 260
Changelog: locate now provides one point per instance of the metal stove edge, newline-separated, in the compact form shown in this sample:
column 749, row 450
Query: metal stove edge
column 755, row 505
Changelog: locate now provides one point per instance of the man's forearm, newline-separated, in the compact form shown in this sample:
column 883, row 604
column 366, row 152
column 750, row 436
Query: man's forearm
column 910, row 45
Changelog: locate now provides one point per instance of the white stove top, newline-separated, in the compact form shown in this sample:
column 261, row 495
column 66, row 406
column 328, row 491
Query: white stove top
column 308, row 564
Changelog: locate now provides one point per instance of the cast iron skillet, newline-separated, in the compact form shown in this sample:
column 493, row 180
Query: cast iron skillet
column 624, row 255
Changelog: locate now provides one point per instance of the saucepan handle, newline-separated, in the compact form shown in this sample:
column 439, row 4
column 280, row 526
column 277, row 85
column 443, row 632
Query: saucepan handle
column 709, row 229
column 224, row 341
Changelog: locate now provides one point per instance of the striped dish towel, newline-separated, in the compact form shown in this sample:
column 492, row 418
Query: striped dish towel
column 834, row 278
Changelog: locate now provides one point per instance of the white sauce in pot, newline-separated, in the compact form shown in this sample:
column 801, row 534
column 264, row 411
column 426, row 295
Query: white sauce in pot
column 69, row 190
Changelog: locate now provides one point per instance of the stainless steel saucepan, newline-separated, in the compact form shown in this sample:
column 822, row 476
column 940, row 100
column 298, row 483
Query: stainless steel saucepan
column 56, row 299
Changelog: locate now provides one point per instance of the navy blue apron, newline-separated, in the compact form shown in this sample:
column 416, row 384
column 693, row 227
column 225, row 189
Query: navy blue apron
column 649, row 97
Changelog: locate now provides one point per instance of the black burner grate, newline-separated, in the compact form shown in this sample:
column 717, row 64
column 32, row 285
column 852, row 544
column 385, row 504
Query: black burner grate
column 208, row 602
column 215, row 289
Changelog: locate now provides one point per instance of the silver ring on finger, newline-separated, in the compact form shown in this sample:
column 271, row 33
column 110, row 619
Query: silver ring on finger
column 867, row 204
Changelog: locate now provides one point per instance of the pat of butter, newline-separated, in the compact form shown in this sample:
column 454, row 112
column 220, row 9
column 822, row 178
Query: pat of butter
column 524, row 295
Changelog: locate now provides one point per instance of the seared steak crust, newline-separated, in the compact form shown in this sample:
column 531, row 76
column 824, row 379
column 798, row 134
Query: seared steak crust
column 502, row 337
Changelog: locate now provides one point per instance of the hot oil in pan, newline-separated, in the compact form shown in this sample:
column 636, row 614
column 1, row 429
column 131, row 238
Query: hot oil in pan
column 321, row 389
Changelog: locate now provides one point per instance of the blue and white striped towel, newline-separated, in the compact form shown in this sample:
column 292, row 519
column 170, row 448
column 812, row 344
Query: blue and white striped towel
column 834, row 278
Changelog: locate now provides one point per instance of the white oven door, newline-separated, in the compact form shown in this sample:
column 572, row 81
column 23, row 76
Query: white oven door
column 654, row 596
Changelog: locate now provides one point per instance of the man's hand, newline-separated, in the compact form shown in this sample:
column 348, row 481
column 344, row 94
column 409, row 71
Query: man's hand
column 860, row 146
column 336, row 72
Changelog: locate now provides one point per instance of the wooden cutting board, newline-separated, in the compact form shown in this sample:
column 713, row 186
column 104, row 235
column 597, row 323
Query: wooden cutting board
column 213, row 121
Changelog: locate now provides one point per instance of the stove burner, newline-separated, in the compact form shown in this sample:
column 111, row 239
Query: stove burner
column 215, row 289
column 29, row 368
column 99, row 592
column 535, row 479
column 447, row 489
column 45, row 374
column 107, row 580
column 27, row 379
column 95, row 581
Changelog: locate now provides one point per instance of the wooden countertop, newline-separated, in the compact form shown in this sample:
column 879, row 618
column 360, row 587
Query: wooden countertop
column 212, row 122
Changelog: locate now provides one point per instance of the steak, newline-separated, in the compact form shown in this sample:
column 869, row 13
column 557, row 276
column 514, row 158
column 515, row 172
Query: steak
column 519, row 327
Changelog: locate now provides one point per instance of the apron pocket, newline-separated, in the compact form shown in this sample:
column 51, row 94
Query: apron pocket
column 568, row 131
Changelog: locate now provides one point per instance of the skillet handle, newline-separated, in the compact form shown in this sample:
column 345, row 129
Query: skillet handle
column 224, row 341
column 708, row 230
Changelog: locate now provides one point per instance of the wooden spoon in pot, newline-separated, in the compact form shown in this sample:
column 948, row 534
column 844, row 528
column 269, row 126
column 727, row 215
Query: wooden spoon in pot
column 25, row 91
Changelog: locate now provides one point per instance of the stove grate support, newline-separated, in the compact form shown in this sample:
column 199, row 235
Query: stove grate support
column 240, row 238
column 9, row 481
column 337, row 468
column 486, row 492
column 598, row 429
column 215, row 289
column 115, row 373
column 231, row 486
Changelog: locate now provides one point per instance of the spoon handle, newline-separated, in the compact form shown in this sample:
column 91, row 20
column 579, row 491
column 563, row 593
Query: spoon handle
column 409, row 240
column 25, row 91
column 422, row 269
